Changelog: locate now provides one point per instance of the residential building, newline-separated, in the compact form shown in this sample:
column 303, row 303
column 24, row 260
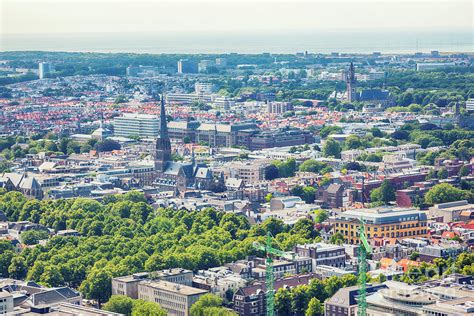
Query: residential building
column 175, row 298
column 279, row 107
column 333, row 196
column 251, row 300
column 220, row 281
column 431, row 252
column 6, row 302
column 322, row 254
column 383, row 222
column 470, row 105
column 344, row 302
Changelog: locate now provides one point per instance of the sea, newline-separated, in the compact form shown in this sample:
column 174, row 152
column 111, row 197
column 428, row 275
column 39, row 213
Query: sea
column 216, row 42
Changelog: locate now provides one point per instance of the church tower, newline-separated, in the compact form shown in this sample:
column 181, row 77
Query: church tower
column 351, row 84
column 163, row 144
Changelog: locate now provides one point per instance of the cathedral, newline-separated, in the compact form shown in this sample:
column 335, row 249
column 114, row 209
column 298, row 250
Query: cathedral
column 374, row 96
column 177, row 176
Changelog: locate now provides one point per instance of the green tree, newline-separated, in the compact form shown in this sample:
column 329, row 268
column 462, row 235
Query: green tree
column 144, row 308
column 283, row 302
column 51, row 277
column 97, row 285
column 18, row 268
column 271, row 172
column 268, row 197
column 353, row 142
column 107, row 145
column 32, row 237
column 332, row 148
column 299, row 299
column 464, row 171
column 442, row 173
column 119, row 304
column 274, row 226
column 445, row 192
column 312, row 165
column 204, row 302
column 286, row 168
column 337, row 239
column 315, row 307
column 320, row 216
column 385, row 193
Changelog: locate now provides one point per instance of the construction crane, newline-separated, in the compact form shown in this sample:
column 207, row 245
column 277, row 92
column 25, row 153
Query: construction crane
column 364, row 249
column 270, row 252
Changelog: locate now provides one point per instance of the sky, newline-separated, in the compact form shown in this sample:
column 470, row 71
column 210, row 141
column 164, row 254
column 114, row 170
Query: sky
column 158, row 16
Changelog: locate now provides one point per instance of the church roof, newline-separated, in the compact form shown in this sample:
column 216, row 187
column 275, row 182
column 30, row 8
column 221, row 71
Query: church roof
column 203, row 173
column 373, row 94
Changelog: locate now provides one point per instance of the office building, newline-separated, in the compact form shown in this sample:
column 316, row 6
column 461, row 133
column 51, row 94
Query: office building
column 206, row 65
column 384, row 222
column 221, row 135
column 134, row 124
column 175, row 298
column 203, row 88
column 128, row 285
column 399, row 299
column 185, row 66
column 44, row 69
column 433, row 66
column 450, row 212
column 221, row 62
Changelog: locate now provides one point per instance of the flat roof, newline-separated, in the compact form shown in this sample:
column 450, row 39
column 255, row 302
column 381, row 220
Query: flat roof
column 173, row 287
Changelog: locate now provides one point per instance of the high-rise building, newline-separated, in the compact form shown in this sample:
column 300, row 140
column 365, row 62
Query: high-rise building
column 205, row 65
column 134, row 124
column 351, row 84
column 185, row 66
column 44, row 69
column 221, row 62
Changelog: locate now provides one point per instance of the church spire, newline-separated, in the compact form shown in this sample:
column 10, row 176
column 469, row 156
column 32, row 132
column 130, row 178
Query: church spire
column 163, row 144
column 163, row 123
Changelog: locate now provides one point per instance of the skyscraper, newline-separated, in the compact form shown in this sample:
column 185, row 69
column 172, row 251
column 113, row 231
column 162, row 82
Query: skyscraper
column 351, row 84
column 185, row 66
column 44, row 69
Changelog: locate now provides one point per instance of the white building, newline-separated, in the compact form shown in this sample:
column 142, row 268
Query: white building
column 6, row 302
column 470, row 105
column 134, row 124
column 44, row 69
column 203, row 88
